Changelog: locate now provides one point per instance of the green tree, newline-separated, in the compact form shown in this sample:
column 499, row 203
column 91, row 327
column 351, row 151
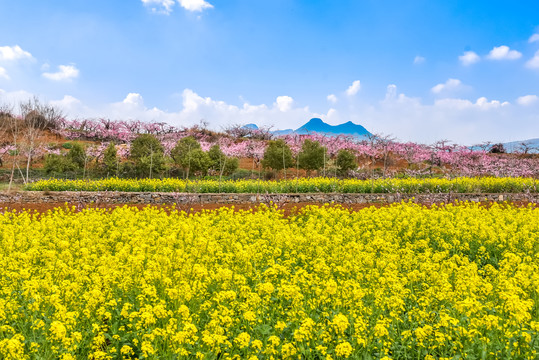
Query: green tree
column 278, row 156
column 58, row 164
column 346, row 161
column 110, row 159
column 189, row 156
column 221, row 163
column 312, row 156
column 77, row 155
column 147, row 154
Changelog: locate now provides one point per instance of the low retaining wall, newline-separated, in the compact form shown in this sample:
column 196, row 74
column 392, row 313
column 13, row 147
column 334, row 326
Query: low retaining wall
column 113, row 197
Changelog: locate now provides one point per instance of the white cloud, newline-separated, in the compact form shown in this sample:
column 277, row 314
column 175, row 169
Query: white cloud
column 192, row 102
column 484, row 104
column 3, row 73
column 453, row 103
column 394, row 98
column 281, row 114
column 159, row 6
column 68, row 102
column 534, row 38
column 195, row 5
column 332, row 98
column 469, row 58
column 166, row 6
column 391, row 92
column 13, row 98
column 332, row 113
column 533, row 63
column 64, row 73
column 14, row 53
column 419, row 60
column 503, row 53
column 460, row 104
column 527, row 100
column 449, row 85
column 284, row 103
column 134, row 99
column 72, row 106
column 408, row 119
column 354, row 88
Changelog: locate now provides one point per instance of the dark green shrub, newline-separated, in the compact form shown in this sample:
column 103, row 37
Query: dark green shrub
column 221, row 163
column 110, row 160
column 58, row 164
column 77, row 155
column 188, row 155
column 278, row 155
column 147, row 154
column 312, row 156
column 346, row 161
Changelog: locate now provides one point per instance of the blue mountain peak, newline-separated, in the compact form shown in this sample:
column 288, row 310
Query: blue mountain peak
column 317, row 125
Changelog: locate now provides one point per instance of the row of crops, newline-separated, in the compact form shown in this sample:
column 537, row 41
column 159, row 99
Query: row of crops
column 301, row 185
column 399, row 282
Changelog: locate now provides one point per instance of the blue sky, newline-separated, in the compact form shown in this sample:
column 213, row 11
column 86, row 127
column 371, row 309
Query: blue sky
column 467, row 71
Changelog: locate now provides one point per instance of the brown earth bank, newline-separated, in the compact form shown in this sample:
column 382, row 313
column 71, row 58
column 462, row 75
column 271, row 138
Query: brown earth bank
column 287, row 208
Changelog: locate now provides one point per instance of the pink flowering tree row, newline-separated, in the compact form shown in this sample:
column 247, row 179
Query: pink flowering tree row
column 419, row 159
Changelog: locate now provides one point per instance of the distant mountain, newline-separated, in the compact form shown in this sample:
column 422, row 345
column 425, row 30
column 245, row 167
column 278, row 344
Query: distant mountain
column 516, row 145
column 316, row 125
column 250, row 126
column 282, row 132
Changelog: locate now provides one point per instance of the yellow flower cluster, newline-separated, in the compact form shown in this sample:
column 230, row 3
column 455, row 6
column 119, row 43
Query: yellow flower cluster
column 399, row 282
column 300, row 185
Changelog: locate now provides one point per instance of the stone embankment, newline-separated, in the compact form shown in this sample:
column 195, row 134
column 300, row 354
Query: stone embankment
column 114, row 197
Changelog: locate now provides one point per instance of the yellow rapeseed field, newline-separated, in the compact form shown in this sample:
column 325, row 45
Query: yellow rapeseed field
column 398, row 282
column 300, row 185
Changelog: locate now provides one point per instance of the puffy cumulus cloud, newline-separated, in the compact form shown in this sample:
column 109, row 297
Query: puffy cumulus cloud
column 284, row 103
column 134, row 99
column 391, row 92
column 13, row 98
column 281, row 114
column 533, row 38
column 503, row 53
column 64, row 73
column 449, row 85
column 159, row 6
column 331, row 115
column 533, row 63
column 73, row 107
column 192, row 102
column 166, row 6
column 12, row 53
column 408, row 119
column 3, row 73
column 461, row 120
column 195, row 5
column 354, row 88
column 194, row 108
column 469, row 58
column 332, row 98
column 481, row 103
column 419, row 60
column 66, row 101
column 393, row 97
column 527, row 100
